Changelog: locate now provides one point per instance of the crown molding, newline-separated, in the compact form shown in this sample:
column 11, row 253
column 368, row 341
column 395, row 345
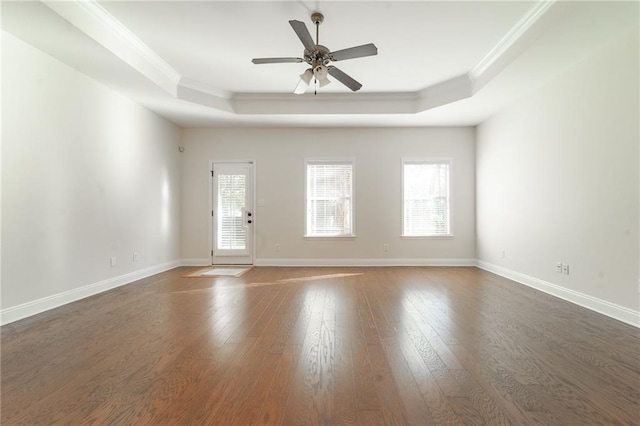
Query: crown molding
column 199, row 93
column 325, row 103
column 96, row 22
column 445, row 92
column 439, row 94
column 192, row 84
column 509, row 47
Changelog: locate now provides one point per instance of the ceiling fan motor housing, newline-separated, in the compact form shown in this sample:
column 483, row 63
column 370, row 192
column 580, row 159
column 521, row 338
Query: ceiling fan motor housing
column 320, row 56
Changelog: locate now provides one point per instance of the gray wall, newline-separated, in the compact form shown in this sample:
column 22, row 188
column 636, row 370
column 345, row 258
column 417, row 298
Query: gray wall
column 557, row 179
column 87, row 174
column 280, row 156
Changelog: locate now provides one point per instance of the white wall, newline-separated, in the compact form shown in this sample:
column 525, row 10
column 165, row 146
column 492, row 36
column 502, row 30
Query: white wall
column 280, row 155
column 86, row 174
column 557, row 180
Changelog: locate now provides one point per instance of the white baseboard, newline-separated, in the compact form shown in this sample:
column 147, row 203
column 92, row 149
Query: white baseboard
column 364, row 262
column 609, row 309
column 34, row 307
column 195, row 262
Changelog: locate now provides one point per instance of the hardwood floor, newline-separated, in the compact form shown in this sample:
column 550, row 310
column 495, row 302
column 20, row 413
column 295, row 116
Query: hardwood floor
column 292, row 346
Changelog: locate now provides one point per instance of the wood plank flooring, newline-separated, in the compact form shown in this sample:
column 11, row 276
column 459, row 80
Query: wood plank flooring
column 297, row 346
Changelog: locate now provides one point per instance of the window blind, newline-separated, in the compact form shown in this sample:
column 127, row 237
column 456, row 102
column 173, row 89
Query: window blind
column 329, row 198
column 426, row 199
column 231, row 200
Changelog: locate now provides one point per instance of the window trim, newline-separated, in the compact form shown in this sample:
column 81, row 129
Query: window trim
column 427, row 160
column 331, row 160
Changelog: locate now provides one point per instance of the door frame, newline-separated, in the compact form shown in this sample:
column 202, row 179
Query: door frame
column 252, row 163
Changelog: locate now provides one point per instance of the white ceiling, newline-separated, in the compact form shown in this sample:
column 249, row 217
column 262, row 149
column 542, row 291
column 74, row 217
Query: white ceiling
column 438, row 62
column 419, row 44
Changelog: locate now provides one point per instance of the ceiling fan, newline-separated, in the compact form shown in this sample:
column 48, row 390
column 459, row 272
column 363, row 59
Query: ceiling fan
column 319, row 56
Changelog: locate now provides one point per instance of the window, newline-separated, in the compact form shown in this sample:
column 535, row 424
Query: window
column 231, row 194
column 329, row 194
column 426, row 198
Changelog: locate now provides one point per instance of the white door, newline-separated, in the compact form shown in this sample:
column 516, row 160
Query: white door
column 232, row 214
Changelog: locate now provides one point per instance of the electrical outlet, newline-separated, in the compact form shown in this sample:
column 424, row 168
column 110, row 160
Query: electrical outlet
column 277, row 247
column 385, row 247
column 113, row 261
column 502, row 253
column 565, row 268
column 559, row 267
column 136, row 256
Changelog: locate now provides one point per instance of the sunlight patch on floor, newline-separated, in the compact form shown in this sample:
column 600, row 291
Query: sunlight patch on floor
column 321, row 277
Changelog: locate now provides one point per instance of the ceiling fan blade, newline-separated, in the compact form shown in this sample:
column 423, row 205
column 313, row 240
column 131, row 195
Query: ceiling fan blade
column 303, row 34
column 354, row 52
column 275, row 60
column 344, row 78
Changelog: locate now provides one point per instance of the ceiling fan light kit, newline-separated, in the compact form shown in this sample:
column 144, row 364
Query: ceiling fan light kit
column 319, row 57
column 301, row 87
column 307, row 76
column 320, row 73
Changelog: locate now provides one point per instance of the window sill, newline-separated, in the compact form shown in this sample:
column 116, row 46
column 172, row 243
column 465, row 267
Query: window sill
column 328, row 237
column 427, row 237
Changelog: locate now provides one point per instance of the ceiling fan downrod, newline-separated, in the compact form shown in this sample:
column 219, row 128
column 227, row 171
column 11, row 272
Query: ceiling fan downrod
column 317, row 18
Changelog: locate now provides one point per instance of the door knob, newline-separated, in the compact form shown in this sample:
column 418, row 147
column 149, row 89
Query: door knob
column 248, row 213
column 249, row 221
